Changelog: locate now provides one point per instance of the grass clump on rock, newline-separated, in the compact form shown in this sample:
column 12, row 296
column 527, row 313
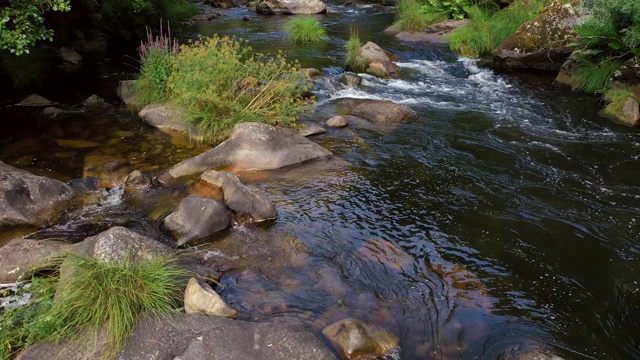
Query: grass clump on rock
column 305, row 30
column 94, row 298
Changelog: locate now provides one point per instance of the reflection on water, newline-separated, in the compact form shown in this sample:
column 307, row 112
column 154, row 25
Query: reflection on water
column 504, row 216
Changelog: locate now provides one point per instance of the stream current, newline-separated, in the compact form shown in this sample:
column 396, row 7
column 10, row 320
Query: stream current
column 503, row 217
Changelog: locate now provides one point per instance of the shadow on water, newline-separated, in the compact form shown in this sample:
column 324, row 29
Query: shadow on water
column 503, row 216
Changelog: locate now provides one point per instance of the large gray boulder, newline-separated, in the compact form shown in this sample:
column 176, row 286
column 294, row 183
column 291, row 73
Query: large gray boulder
column 378, row 111
column 19, row 257
column 197, row 217
column 119, row 244
column 240, row 198
column 200, row 337
column 292, row 7
column 252, row 146
column 30, row 200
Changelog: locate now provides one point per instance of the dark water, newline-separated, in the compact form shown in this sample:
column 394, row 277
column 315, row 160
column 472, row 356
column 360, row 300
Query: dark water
column 504, row 216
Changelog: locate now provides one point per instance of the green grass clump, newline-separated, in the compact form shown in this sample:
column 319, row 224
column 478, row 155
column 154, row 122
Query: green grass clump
column 592, row 77
column 488, row 29
column 354, row 59
column 26, row 69
column 209, row 85
column 95, row 296
column 156, row 64
column 305, row 30
column 411, row 17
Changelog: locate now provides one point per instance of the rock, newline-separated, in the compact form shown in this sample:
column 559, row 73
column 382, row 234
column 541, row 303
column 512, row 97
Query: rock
column 628, row 73
column 108, row 170
column 337, row 122
column 351, row 80
column 565, row 74
column 19, row 257
column 197, row 217
column 52, row 112
column 198, row 337
column 246, row 18
column 358, row 340
column 293, row 7
column 378, row 111
column 76, row 144
column 436, row 34
column 311, row 130
column 544, row 42
column 125, row 91
column 30, row 200
column 137, row 179
column 35, row 100
column 240, row 198
column 167, row 119
column 98, row 44
column 253, row 146
column 201, row 299
column 378, row 60
column 93, row 101
column 119, row 244
column 623, row 111
column 70, row 56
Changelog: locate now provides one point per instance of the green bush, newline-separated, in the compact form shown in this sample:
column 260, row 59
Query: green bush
column 488, row 29
column 305, row 30
column 354, row 59
column 157, row 55
column 592, row 77
column 92, row 296
column 218, row 83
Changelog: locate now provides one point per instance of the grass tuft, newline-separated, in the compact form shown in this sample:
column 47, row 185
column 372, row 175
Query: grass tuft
column 594, row 78
column 414, row 16
column 354, row 59
column 305, row 30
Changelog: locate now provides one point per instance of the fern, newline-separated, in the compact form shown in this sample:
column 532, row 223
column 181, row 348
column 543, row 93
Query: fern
column 594, row 78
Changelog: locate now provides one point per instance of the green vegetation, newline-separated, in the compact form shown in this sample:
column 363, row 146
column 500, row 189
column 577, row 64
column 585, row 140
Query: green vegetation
column 594, row 77
column 218, row 83
column 305, row 30
column 91, row 297
column 26, row 69
column 488, row 28
column 418, row 15
column 156, row 64
column 354, row 59
column 22, row 23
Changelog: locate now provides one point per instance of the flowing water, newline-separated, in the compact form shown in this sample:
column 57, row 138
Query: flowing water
column 503, row 217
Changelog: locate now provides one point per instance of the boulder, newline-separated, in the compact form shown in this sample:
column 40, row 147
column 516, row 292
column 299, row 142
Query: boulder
column 125, row 91
column 197, row 217
column 52, row 112
column 378, row 111
column 70, row 58
column 252, row 146
column 311, row 130
column 436, row 34
column 119, row 244
column 544, row 42
column 197, row 337
column 30, row 200
column 378, row 60
column 94, row 102
column 240, row 198
column 98, row 44
column 35, row 100
column 351, row 80
column 623, row 111
column 167, row 119
column 19, row 257
column 337, row 122
column 358, row 340
column 293, row 7
column 199, row 298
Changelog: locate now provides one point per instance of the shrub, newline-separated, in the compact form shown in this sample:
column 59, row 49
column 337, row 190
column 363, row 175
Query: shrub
column 95, row 294
column 354, row 59
column 156, row 63
column 411, row 16
column 218, row 83
column 305, row 30
column 488, row 29
column 592, row 77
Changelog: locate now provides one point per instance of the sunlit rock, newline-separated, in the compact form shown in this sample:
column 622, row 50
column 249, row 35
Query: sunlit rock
column 337, row 122
column 292, row 7
column 623, row 111
column 311, row 130
column 378, row 60
column 200, row 298
column 378, row 111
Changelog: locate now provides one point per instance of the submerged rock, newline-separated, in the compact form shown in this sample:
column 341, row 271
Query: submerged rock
column 293, row 7
column 358, row 340
column 544, row 42
column 240, row 198
column 201, row 299
column 253, row 146
column 378, row 111
column 27, row 199
column 197, row 217
column 19, row 257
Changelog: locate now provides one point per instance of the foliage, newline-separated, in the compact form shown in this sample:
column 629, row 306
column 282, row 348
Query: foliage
column 412, row 17
column 94, row 295
column 417, row 15
column 156, row 63
column 592, row 77
column 305, row 30
column 27, row 69
column 218, row 83
column 614, row 27
column 22, row 23
column 354, row 59
column 613, row 95
column 488, row 29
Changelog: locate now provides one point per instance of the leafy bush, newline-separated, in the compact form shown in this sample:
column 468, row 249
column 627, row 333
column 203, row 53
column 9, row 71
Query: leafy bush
column 488, row 29
column 354, row 59
column 94, row 294
column 218, row 83
column 305, row 30
column 592, row 77
column 156, row 63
